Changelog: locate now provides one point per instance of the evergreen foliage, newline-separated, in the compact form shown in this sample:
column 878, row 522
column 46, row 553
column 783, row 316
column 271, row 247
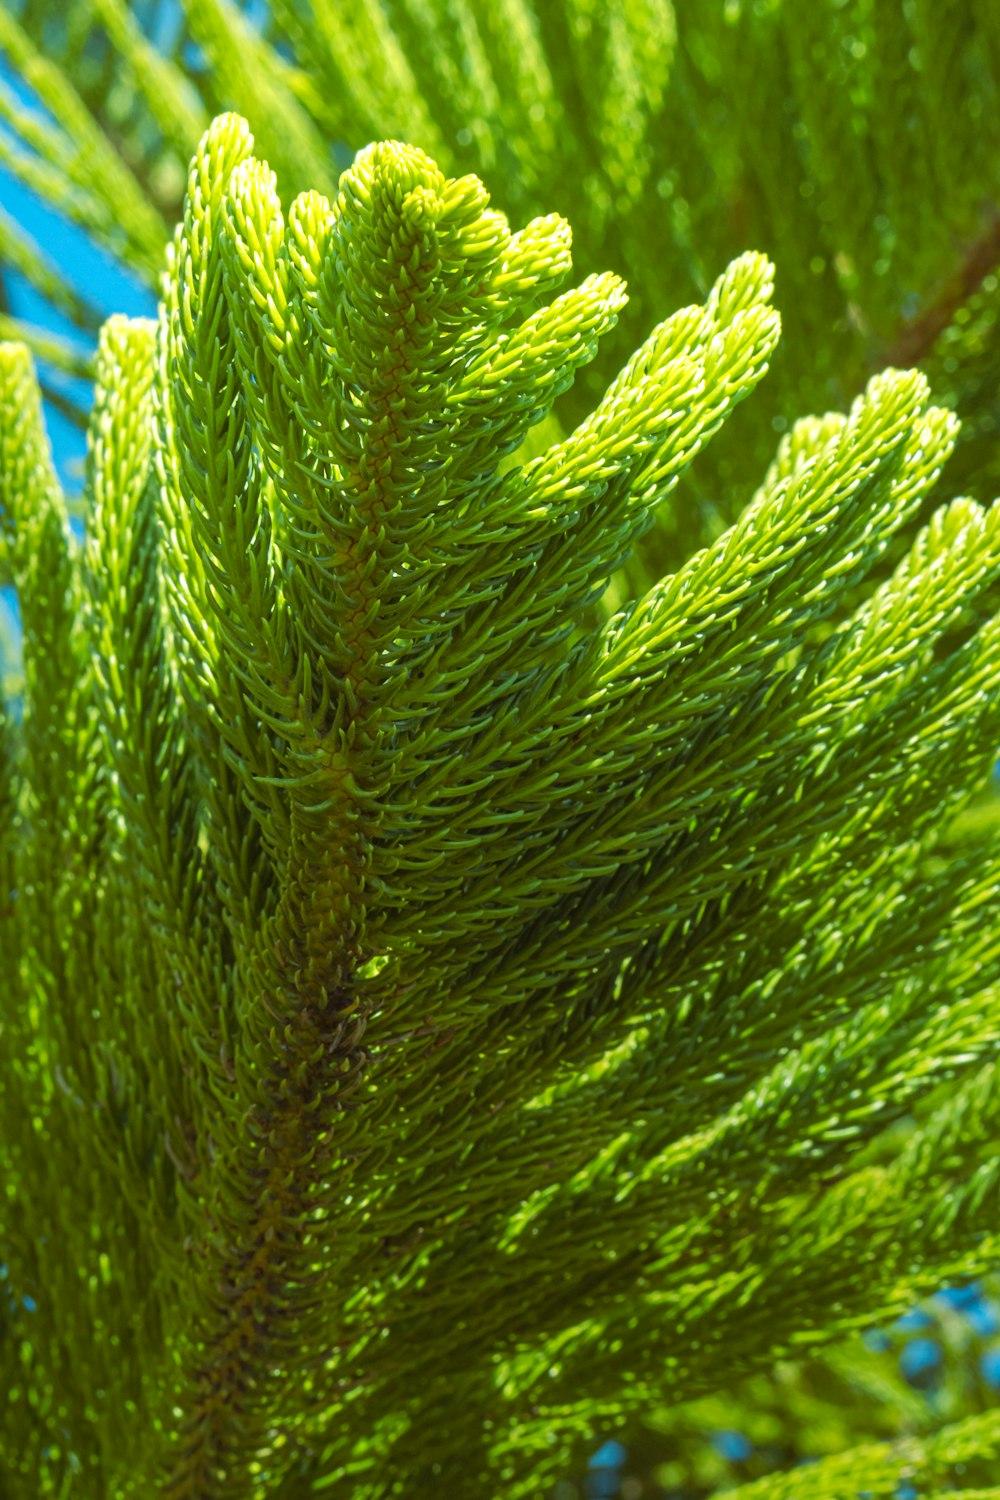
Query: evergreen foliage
column 855, row 141
column 463, row 944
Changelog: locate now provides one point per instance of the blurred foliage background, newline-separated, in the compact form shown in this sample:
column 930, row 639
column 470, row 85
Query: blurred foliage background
column 857, row 142
column 938, row 1363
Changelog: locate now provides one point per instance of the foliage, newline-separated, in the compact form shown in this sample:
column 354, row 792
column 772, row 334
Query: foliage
column 458, row 971
column 937, row 1364
column 855, row 141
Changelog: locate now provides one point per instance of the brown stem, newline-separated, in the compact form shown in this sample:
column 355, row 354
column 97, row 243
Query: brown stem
column 916, row 339
column 262, row 1281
